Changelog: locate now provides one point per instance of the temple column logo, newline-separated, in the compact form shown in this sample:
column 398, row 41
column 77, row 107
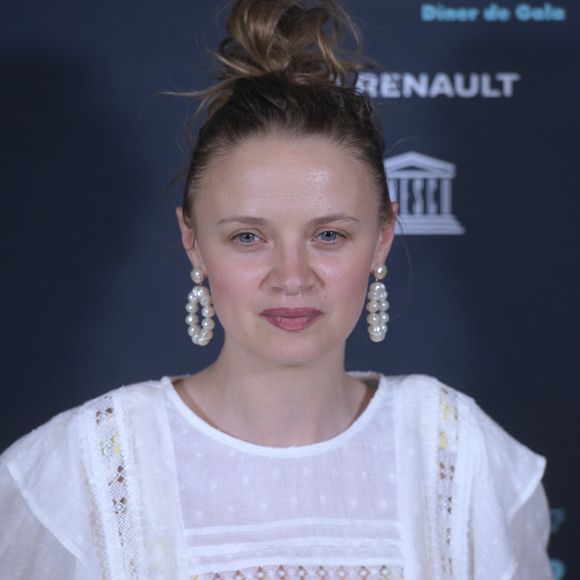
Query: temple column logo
column 422, row 186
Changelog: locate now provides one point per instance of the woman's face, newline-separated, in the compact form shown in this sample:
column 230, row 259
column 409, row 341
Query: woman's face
column 287, row 232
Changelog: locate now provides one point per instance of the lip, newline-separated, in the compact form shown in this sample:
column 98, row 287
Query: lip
column 291, row 319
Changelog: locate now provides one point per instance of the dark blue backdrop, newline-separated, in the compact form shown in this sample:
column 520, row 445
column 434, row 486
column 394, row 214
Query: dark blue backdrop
column 480, row 114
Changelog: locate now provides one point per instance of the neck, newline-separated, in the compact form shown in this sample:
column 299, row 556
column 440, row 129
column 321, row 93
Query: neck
column 276, row 405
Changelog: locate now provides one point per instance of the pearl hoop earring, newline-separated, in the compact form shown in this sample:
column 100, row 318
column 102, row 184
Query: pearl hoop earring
column 199, row 296
column 377, row 306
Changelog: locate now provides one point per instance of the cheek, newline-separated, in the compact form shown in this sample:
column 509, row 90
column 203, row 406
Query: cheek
column 231, row 287
column 346, row 284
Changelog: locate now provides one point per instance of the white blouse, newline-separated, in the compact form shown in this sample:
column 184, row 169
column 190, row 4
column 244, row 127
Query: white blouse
column 133, row 484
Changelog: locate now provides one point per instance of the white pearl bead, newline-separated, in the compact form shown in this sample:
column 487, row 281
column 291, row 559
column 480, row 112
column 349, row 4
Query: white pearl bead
column 192, row 330
column 373, row 306
column 205, row 300
column 203, row 338
column 380, row 271
column 383, row 305
column 373, row 319
column 376, row 338
column 190, row 307
column 191, row 319
column 384, row 317
column 207, row 323
column 197, row 276
column 207, row 311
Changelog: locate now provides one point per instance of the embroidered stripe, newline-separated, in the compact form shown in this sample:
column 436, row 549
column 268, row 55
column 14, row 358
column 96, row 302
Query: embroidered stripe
column 281, row 572
column 445, row 486
column 348, row 567
column 106, row 450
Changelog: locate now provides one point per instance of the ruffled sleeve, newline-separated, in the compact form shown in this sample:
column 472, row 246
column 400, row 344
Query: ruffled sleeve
column 44, row 530
column 510, row 522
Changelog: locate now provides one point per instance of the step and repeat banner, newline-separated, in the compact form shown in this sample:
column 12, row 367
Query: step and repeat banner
column 479, row 103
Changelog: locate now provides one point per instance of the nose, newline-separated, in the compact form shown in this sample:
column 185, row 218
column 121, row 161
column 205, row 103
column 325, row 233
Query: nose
column 291, row 272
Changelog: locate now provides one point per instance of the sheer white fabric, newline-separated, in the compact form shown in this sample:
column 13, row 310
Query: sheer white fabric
column 289, row 511
column 26, row 546
column 423, row 485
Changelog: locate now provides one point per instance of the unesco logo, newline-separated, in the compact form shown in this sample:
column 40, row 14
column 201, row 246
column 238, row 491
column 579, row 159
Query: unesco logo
column 422, row 186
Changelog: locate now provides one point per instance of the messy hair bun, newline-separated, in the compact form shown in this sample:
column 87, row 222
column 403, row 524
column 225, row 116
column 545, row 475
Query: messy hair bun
column 288, row 38
column 281, row 68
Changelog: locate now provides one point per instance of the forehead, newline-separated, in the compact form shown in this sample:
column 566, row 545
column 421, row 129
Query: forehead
column 287, row 174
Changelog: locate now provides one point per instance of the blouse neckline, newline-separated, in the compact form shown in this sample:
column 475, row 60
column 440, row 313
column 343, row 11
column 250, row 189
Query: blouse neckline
column 292, row 451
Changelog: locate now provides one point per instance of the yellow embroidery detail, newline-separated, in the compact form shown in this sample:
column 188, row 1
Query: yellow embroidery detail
column 442, row 440
column 115, row 444
column 448, row 411
column 111, row 445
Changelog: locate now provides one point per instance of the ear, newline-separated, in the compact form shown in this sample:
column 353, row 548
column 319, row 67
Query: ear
column 385, row 239
column 189, row 241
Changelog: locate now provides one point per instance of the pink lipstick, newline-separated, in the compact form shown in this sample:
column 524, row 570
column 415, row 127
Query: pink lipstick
column 291, row 319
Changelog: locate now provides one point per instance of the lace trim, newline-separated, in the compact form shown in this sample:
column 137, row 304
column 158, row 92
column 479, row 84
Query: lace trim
column 116, row 530
column 383, row 572
column 447, row 458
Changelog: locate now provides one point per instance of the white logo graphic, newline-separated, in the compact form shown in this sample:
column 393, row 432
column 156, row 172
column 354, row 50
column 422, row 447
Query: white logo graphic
column 395, row 85
column 422, row 187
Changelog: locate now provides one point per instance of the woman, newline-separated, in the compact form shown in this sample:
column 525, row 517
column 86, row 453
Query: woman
column 273, row 462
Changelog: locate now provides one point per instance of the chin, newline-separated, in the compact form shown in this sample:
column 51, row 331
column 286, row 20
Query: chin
column 293, row 348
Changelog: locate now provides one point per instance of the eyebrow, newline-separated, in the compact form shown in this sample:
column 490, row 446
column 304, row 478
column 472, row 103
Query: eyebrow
column 251, row 220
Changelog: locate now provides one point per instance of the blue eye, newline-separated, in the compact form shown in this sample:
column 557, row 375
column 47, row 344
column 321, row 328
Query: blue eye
column 329, row 236
column 245, row 238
